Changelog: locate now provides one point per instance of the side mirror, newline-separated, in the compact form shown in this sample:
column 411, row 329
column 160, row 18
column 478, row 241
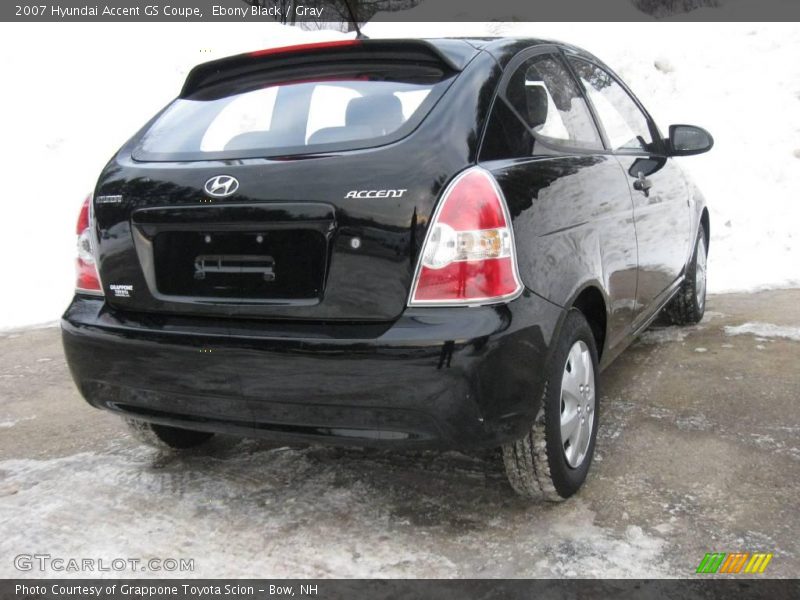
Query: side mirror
column 687, row 140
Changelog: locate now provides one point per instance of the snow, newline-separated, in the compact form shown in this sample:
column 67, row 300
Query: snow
column 11, row 422
column 81, row 95
column 78, row 98
column 15, row 329
column 765, row 330
column 401, row 516
column 663, row 335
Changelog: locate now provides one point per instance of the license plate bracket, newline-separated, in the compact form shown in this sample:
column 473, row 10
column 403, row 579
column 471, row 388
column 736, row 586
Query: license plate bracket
column 234, row 263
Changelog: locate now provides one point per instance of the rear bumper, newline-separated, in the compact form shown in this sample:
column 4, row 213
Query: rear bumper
column 437, row 377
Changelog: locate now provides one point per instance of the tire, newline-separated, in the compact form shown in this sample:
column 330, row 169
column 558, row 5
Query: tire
column 165, row 437
column 689, row 304
column 540, row 465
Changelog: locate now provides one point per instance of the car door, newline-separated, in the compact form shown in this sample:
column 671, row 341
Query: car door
column 657, row 186
column 569, row 202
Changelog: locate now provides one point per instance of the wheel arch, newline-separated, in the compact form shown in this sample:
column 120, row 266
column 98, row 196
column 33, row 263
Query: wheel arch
column 591, row 301
column 705, row 221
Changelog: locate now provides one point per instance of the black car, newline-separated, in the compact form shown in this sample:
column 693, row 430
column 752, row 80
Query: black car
column 395, row 243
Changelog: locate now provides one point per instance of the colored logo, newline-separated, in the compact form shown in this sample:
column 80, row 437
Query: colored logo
column 734, row 562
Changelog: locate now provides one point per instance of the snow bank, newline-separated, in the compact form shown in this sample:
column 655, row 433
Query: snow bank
column 81, row 90
column 81, row 94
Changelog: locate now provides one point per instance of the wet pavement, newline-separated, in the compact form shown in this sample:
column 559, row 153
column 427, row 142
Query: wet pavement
column 698, row 451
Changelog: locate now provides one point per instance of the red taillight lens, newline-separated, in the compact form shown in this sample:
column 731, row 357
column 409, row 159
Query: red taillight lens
column 88, row 281
column 468, row 256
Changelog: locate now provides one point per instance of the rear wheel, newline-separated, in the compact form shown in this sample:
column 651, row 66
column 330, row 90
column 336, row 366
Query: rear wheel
column 689, row 304
column 552, row 460
column 165, row 437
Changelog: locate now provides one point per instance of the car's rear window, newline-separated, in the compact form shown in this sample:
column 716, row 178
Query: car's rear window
column 328, row 113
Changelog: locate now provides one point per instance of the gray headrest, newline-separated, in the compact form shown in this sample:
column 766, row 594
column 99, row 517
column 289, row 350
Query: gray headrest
column 382, row 114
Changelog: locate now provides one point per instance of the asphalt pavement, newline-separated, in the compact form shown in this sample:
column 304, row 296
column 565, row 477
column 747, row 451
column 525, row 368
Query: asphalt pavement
column 698, row 452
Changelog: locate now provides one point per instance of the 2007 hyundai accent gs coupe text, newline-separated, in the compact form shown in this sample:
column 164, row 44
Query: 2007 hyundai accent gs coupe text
column 396, row 243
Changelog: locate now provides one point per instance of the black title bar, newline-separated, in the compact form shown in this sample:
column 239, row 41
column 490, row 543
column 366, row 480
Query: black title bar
column 335, row 11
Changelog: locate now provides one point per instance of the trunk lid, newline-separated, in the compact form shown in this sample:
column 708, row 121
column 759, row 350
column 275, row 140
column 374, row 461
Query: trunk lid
column 295, row 247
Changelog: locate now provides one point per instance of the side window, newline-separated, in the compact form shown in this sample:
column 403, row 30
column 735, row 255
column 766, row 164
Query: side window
column 547, row 99
column 625, row 124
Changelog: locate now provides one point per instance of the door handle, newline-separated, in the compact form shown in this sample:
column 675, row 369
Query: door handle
column 643, row 184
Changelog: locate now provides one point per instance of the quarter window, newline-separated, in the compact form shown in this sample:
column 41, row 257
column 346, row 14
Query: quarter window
column 625, row 124
column 506, row 137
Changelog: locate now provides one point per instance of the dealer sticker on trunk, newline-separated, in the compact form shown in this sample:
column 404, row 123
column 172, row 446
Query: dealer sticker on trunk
column 121, row 290
column 116, row 199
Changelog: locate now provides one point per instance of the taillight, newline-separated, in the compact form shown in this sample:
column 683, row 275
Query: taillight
column 468, row 256
column 88, row 281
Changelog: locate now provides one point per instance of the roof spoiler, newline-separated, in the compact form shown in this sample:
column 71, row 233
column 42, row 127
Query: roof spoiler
column 453, row 55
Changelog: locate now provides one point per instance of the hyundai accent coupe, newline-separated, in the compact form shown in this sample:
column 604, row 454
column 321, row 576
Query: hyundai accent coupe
column 394, row 243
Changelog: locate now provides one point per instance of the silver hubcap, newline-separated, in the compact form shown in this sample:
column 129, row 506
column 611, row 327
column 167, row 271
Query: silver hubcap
column 577, row 404
column 700, row 273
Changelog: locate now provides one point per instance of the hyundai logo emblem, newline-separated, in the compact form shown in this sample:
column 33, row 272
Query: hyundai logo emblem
column 221, row 186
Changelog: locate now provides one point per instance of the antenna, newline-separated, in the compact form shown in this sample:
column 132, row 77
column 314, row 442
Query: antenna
column 359, row 35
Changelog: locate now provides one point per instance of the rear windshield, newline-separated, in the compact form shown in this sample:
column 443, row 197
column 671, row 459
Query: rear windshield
column 283, row 118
